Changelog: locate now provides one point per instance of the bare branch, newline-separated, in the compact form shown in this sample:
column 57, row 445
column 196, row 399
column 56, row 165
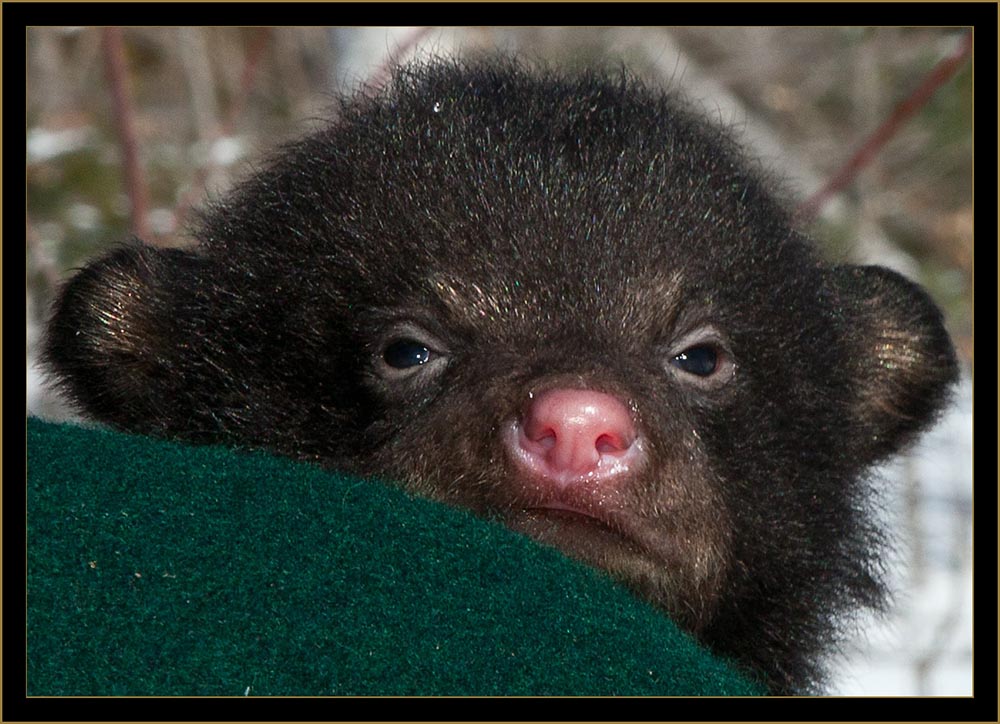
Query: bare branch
column 940, row 74
column 124, row 117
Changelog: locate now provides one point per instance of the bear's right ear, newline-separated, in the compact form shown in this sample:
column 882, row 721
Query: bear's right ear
column 113, row 328
column 903, row 361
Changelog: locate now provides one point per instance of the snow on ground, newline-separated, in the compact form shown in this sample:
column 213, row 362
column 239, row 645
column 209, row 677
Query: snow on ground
column 924, row 646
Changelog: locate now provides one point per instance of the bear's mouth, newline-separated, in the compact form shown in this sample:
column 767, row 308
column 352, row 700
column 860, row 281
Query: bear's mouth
column 559, row 510
column 578, row 531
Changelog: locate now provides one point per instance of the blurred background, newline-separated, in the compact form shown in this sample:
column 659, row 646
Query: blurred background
column 129, row 130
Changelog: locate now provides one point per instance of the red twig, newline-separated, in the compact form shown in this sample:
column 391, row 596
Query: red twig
column 124, row 116
column 940, row 74
column 250, row 65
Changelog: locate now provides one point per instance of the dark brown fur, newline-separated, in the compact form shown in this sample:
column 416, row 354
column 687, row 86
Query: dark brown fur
column 542, row 230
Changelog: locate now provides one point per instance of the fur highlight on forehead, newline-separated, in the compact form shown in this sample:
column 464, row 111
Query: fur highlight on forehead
column 453, row 153
column 469, row 303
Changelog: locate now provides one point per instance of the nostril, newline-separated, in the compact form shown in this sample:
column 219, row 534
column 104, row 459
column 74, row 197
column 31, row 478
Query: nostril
column 609, row 444
column 572, row 434
column 547, row 439
column 539, row 430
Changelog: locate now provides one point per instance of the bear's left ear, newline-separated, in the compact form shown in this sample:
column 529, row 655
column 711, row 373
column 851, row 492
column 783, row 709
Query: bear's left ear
column 121, row 330
column 904, row 364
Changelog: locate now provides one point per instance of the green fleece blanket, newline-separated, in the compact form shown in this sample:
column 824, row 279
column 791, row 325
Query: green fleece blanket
column 163, row 569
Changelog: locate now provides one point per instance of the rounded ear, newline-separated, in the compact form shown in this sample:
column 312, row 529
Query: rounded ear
column 904, row 362
column 112, row 328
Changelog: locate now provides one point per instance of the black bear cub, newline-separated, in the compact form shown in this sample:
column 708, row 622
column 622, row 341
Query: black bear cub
column 564, row 301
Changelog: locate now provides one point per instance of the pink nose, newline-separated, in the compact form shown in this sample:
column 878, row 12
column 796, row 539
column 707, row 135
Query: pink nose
column 569, row 435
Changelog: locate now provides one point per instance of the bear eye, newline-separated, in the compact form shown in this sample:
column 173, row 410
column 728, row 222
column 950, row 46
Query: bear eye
column 406, row 353
column 701, row 360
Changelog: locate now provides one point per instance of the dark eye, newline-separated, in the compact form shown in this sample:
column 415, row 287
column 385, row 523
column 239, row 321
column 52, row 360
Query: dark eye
column 405, row 353
column 702, row 360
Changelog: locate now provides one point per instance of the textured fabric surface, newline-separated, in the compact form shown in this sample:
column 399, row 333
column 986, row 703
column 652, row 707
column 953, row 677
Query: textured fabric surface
column 163, row 569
